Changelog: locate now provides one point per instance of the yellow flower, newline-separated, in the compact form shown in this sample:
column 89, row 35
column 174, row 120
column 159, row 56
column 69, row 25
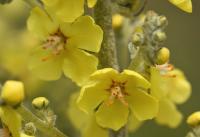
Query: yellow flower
column 64, row 47
column 91, row 3
column 64, row 10
column 109, row 93
column 170, row 88
column 185, row 5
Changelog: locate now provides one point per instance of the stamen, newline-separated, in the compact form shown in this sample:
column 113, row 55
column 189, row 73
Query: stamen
column 117, row 91
column 55, row 43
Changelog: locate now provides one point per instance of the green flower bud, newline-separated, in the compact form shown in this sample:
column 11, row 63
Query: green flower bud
column 138, row 39
column 159, row 36
column 30, row 129
column 40, row 103
column 163, row 22
column 194, row 119
column 163, row 56
column 12, row 92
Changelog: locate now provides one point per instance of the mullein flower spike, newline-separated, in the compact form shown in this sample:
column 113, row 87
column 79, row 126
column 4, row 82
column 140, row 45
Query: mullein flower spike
column 109, row 92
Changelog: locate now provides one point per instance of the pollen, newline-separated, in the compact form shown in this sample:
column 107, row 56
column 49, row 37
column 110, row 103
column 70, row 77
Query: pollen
column 55, row 43
column 117, row 91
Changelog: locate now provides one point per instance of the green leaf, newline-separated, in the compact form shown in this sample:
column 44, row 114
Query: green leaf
column 11, row 119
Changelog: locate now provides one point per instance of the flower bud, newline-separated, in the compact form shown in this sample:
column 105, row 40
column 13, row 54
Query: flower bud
column 163, row 56
column 30, row 129
column 12, row 92
column 159, row 36
column 117, row 20
column 138, row 39
column 40, row 103
column 162, row 21
column 194, row 119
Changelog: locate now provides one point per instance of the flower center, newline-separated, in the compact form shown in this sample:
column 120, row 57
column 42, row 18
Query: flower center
column 117, row 91
column 55, row 43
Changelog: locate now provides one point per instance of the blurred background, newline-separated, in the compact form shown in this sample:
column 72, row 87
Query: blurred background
column 16, row 42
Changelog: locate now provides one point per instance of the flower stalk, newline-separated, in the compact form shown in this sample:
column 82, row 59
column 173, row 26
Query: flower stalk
column 49, row 130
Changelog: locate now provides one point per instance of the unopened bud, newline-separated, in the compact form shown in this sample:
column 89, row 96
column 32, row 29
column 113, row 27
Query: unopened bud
column 12, row 92
column 162, row 21
column 30, row 129
column 163, row 56
column 117, row 20
column 138, row 39
column 194, row 119
column 159, row 36
column 40, row 103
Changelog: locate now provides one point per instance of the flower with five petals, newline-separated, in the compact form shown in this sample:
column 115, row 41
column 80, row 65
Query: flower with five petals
column 64, row 47
column 109, row 94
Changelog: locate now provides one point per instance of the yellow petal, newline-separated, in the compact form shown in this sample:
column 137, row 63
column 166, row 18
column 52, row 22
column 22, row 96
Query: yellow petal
column 47, row 70
column 112, row 116
column 65, row 10
column 83, row 34
column 91, row 3
column 106, row 74
column 11, row 119
column 78, row 118
column 143, row 105
column 159, row 86
column 168, row 114
column 179, row 87
column 134, row 123
column 134, row 80
column 91, row 96
column 40, row 24
column 185, row 5
column 79, row 65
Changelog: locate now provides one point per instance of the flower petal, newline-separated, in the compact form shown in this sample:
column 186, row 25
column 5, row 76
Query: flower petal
column 91, row 3
column 47, row 70
column 11, row 119
column 79, row 65
column 65, row 10
column 134, row 123
column 106, row 74
column 41, row 24
column 180, row 88
column 134, row 80
column 168, row 114
column 84, row 34
column 91, row 96
column 112, row 116
column 158, row 84
column 143, row 105
column 185, row 5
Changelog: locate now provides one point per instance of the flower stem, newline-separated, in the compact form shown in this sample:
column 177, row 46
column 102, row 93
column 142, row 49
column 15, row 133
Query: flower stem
column 103, row 17
column 49, row 130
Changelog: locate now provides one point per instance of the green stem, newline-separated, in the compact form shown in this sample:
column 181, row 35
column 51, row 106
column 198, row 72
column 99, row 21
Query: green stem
column 44, row 127
column 103, row 17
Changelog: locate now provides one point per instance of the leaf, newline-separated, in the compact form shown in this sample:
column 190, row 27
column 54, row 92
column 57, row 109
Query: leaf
column 11, row 119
